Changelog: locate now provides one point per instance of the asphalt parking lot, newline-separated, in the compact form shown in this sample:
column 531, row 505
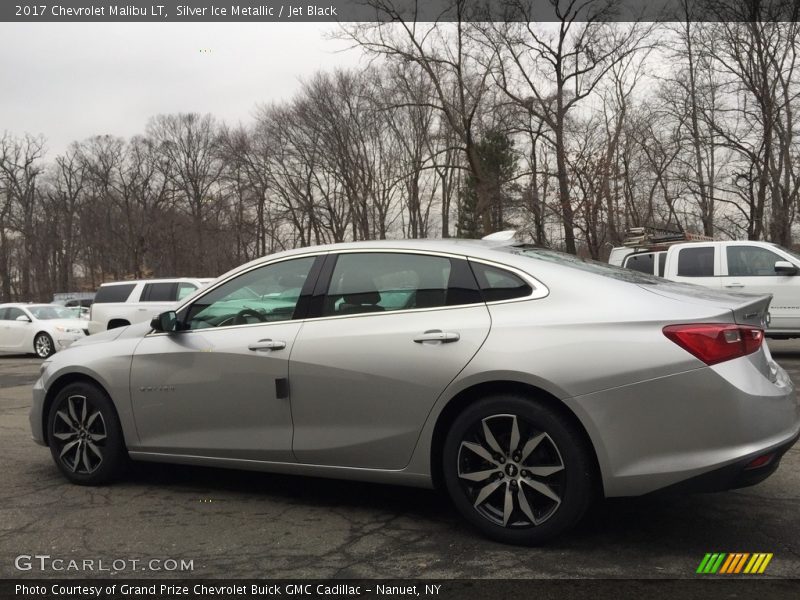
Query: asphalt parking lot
column 242, row 524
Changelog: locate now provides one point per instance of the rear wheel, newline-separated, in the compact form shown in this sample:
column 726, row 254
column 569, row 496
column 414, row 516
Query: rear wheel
column 85, row 435
column 517, row 470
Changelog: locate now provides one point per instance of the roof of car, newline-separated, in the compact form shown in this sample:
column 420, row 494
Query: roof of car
column 487, row 249
column 451, row 245
column 159, row 280
column 28, row 304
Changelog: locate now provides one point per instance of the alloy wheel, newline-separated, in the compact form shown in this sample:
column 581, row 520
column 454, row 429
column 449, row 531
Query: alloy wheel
column 80, row 431
column 43, row 346
column 512, row 472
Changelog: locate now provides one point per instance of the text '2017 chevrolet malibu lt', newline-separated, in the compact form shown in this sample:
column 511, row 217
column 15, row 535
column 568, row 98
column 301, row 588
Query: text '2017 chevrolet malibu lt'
column 523, row 381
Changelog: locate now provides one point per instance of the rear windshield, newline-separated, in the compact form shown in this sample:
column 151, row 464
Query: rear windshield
column 114, row 293
column 585, row 264
column 640, row 262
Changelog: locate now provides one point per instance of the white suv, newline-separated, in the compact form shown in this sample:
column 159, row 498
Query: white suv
column 122, row 303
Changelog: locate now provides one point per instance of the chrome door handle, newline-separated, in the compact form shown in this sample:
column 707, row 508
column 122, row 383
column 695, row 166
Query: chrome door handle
column 267, row 345
column 437, row 335
column 735, row 285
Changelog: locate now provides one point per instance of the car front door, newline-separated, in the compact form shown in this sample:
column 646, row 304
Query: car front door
column 393, row 330
column 218, row 386
column 751, row 269
column 17, row 333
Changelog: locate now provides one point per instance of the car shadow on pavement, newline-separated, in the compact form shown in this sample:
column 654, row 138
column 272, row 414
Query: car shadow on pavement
column 312, row 491
column 684, row 523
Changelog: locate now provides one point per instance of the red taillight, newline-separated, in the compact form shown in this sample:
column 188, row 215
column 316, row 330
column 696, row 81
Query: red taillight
column 716, row 342
column 761, row 461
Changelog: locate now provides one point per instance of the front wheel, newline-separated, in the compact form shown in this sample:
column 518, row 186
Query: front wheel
column 43, row 345
column 85, row 435
column 517, row 470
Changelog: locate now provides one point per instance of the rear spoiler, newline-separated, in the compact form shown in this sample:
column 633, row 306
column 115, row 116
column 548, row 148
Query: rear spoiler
column 753, row 312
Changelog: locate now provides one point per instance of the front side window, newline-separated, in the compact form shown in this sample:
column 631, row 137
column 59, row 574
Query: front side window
column 751, row 261
column 12, row 313
column 264, row 295
column 640, row 262
column 696, row 262
column 380, row 282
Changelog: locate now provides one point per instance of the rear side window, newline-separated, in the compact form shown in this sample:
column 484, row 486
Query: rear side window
column 640, row 262
column 114, row 293
column 498, row 284
column 696, row 262
column 662, row 261
column 163, row 291
column 382, row 282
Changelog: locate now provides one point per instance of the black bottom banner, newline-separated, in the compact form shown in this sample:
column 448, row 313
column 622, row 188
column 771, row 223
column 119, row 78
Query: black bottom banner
column 369, row 589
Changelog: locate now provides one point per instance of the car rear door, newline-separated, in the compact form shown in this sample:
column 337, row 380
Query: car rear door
column 392, row 330
column 695, row 263
column 218, row 387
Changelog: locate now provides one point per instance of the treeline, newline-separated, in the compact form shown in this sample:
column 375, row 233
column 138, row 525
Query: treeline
column 570, row 132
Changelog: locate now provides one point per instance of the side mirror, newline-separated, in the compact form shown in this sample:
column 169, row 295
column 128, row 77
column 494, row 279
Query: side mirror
column 23, row 318
column 784, row 267
column 165, row 322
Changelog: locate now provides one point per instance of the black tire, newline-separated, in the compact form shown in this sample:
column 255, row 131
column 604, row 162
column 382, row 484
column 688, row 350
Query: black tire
column 43, row 345
column 83, row 417
column 547, row 440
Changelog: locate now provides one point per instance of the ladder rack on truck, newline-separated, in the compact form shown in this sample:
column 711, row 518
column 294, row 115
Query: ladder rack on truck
column 645, row 237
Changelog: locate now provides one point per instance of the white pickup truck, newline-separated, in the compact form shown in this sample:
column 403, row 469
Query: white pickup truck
column 743, row 266
column 125, row 302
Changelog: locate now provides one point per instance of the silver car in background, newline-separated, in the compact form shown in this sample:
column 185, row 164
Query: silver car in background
column 523, row 381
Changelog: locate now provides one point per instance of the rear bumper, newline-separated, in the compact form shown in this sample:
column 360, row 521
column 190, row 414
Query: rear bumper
column 95, row 327
column 702, row 426
column 737, row 475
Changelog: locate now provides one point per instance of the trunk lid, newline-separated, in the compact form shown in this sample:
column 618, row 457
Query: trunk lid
column 746, row 309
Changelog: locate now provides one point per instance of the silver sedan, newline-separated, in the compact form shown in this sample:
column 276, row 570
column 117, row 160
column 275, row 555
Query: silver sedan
column 522, row 381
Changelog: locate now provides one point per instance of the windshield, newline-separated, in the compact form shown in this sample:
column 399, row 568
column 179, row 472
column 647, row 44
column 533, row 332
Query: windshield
column 791, row 253
column 47, row 312
column 585, row 264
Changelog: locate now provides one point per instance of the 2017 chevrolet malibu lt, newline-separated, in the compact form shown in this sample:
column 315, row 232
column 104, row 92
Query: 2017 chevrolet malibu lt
column 523, row 381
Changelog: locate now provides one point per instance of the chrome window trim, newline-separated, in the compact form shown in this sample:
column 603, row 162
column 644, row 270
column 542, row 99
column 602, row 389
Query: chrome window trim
column 538, row 289
column 395, row 312
column 208, row 290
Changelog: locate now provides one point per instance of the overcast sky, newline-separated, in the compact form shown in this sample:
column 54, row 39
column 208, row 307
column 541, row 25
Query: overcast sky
column 69, row 81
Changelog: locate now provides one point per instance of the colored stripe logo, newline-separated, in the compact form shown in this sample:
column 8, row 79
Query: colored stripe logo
column 734, row 563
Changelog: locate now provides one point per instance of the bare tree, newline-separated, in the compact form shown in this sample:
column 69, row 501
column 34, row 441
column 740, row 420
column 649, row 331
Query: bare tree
column 550, row 69
column 20, row 169
column 188, row 142
column 456, row 67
